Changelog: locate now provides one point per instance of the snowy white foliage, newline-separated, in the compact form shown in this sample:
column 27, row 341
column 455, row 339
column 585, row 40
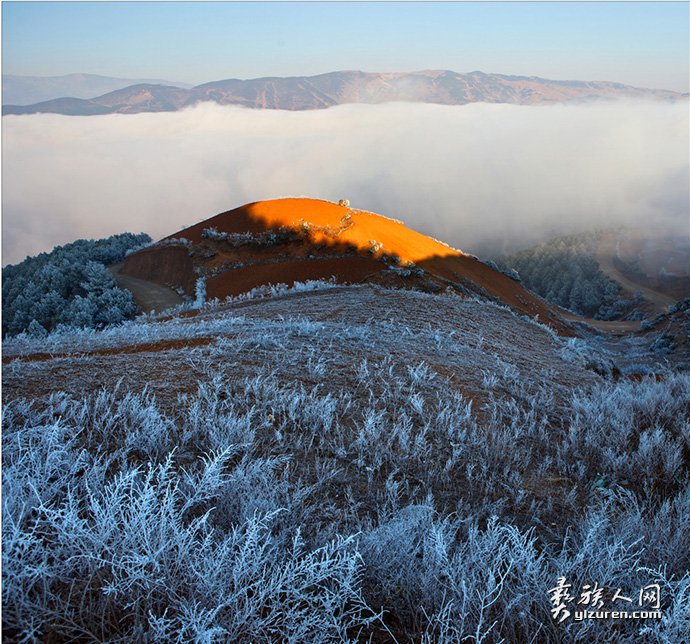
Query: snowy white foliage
column 581, row 352
column 142, row 330
column 139, row 247
column 285, row 503
column 273, row 290
column 200, row 293
column 256, row 509
column 174, row 241
column 281, row 235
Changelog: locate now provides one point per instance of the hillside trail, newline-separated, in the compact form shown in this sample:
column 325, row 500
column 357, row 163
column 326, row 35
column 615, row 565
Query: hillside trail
column 148, row 295
column 612, row 326
column 606, row 250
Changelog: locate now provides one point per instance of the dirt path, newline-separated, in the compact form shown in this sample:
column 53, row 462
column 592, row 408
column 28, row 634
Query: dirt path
column 148, row 295
column 606, row 251
column 604, row 325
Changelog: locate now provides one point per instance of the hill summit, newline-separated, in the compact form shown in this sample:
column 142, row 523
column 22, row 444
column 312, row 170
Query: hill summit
column 296, row 239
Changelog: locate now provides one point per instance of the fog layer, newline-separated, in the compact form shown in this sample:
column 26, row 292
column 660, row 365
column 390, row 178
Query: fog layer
column 477, row 176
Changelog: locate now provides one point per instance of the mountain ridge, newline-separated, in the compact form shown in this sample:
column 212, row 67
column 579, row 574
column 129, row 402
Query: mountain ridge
column 29, row 90
column 321, row 91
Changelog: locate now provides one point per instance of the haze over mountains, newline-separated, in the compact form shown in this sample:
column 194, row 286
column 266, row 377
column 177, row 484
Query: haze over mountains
column 24, row 90
column 326, row 90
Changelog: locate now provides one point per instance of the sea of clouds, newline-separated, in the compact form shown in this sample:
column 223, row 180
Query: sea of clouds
column 481, row 177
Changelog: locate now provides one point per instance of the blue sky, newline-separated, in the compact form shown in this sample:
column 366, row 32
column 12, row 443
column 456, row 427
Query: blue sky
column 644, row 44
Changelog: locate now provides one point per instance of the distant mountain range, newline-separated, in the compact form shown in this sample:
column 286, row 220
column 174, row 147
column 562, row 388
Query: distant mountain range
column 336, row 88
column 26, row 90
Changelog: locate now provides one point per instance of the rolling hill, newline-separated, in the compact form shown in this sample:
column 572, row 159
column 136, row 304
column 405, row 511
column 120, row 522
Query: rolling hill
column 341, row 87
column 296, row 239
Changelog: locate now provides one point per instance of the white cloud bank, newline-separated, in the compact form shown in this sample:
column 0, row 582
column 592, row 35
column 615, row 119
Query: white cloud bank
column 469, row 175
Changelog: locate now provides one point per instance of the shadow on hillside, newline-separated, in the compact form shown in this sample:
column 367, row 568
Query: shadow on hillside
column 237, row 252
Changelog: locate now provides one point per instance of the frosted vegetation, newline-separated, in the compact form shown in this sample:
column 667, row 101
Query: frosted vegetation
column 281, row 235
column 68, row 287
column 564, row 271
column 386, row 505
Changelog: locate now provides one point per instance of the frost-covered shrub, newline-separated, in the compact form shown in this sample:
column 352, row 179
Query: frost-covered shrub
column 136, row 249
column 36, row 330
column 663, row 344
column 450, row 580
column 680, row 306
column 281, row 235
column 174, row 241
column 513, row 274
column 375, row 247
column 510, row 272
column 408, row 270
column 582, row 353
column 274, row 290
column 200, row 293
column 635, row 435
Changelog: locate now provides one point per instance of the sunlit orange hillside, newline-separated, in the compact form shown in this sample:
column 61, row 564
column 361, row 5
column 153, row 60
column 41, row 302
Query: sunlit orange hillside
column 329, row 222
column 297, row 239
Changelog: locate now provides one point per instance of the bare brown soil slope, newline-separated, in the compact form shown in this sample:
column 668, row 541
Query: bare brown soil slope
column 295, row 239
column 169, row 266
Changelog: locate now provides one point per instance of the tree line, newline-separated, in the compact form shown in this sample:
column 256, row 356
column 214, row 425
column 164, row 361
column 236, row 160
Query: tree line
column 69, row 286
column 564, row 271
